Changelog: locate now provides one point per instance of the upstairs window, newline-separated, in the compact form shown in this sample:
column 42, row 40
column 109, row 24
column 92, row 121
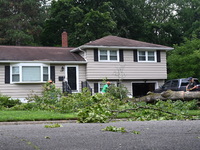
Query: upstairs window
column 147, row 56
column 108, row 55
column 25, row 73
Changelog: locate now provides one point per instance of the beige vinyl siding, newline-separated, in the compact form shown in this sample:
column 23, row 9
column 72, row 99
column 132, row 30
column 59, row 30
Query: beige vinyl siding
column 57, row 74
column 82, row 75
column 128, row 84
column 127, row 69
column 17, row 90
column 22, row 91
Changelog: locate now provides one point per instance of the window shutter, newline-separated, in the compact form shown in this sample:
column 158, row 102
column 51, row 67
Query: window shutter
column 158, row 56
column 52, row 73
column 135, row 59
column 121, row 55
column 7, row 74
column 96, row 88
column 95, row 54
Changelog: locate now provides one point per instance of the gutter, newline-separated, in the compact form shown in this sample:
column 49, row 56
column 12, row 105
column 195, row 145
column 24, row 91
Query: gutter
column 120, row 47
column 49, row 62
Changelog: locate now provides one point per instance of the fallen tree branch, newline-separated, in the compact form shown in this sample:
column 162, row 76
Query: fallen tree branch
column 143, row 107
column 166, row 95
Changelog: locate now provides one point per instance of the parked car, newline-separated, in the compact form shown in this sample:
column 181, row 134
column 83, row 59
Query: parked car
column 176, row 85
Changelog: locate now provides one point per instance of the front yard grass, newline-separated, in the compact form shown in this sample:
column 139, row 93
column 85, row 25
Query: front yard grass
column 34, row 116
column 47, row 115
column 190, row 112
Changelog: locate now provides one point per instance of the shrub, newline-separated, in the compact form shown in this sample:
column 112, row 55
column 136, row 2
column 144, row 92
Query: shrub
column 25, row 106
column 75, row 101
column 119, row 92
column 50, row 95
column 6, row 101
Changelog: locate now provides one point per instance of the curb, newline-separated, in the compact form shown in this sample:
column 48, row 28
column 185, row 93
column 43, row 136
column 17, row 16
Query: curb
column 48, row 122
column 37, row 122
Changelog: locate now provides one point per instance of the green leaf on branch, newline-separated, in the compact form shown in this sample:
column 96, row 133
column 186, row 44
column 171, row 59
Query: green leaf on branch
column 115, row 129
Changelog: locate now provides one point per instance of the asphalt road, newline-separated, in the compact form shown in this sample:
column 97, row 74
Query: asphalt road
column 154, row 135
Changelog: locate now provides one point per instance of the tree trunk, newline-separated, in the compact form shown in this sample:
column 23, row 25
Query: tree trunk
column 172, row 95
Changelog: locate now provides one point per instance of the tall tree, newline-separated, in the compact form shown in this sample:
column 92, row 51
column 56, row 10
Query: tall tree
column 21, row 21
column 82, row 23
column 164, row 22
column 183, row 61
column 188, row 15
column 161, row 27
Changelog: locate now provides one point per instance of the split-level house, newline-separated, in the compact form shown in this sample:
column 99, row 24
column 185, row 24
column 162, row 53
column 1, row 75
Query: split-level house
column 140, row 66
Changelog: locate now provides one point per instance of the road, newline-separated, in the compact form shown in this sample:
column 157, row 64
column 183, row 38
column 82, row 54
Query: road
column 154, row 135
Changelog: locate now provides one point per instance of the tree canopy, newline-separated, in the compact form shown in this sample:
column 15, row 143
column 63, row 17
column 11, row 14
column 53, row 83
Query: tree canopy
column 21, row 21
column 166, row 22
column 29, row 22
column 183, row 61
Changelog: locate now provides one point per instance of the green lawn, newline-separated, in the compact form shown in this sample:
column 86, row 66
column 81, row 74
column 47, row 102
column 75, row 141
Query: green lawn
column 47, row 115
column 190, row 112
column 34, row 116
column 194, row 112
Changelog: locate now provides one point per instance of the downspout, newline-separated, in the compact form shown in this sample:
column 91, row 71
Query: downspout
column 84, row 53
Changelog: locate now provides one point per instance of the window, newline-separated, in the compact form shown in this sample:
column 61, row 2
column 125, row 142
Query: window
column 108, row 55
column 175, row 83
column 101, row 85
column 166, row 85
column 22, row 73
column 147, row 56
column 45, row 73
column 15, row 73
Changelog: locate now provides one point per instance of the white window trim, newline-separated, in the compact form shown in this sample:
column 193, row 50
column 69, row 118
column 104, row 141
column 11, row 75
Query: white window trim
column 108, row 55
column 77, row 76
column 146, row 55
column 20, row 65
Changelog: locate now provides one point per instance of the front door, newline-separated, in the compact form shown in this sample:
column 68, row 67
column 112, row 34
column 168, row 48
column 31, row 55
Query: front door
column 72, row 77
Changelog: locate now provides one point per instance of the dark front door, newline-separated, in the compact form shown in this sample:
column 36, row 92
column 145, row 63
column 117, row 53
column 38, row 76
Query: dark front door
column 141, row 89
column 71, row 75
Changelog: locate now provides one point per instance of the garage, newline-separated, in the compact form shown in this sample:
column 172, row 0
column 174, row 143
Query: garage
column 141, row 89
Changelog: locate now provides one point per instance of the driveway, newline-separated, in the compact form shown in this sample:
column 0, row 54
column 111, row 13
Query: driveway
column 154, row 135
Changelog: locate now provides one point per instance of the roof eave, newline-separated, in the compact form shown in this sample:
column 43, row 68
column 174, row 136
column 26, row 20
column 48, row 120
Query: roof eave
column 48, row 62
column 120, row 47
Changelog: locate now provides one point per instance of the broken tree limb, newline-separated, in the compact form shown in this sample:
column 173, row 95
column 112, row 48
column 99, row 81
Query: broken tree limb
column 172, row 95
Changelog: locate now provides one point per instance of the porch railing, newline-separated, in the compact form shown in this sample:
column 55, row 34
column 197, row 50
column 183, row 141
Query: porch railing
column 66, row 87
column 85, row 84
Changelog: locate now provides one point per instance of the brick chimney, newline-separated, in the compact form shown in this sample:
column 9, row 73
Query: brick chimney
column 64, row 39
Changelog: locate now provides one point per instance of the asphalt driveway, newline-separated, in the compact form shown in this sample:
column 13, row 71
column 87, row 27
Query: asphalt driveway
column 154, row 135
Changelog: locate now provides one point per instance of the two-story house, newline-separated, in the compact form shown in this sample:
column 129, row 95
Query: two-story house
column 140, row 66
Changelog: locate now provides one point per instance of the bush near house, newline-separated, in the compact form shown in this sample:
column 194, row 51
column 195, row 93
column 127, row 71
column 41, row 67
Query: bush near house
column 103, row 107
column 7, row 102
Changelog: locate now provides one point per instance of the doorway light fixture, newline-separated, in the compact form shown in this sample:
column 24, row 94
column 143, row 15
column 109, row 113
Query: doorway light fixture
column 62, row 69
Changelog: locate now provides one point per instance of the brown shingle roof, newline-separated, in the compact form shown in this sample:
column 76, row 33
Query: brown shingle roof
column 28, row 53
column 115, row 41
